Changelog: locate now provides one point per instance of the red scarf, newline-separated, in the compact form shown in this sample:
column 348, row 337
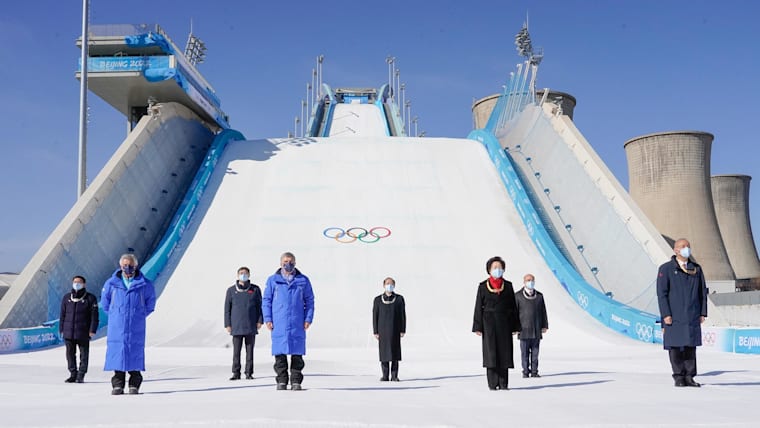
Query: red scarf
column 495, row 283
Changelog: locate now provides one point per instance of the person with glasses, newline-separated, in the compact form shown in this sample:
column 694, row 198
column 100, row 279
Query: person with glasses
column 682, row 298
column 128, row 297
column 288, row 307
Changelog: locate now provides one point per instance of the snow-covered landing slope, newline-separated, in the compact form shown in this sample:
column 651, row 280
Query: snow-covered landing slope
column 440, row 201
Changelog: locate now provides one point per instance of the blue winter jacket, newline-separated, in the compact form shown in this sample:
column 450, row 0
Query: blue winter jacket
column 127, row 310
column 288, row 307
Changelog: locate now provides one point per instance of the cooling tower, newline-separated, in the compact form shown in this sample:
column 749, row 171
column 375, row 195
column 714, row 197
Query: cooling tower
column 482, row 108
column 731, row 198
column 562, row 99
column 669, row 178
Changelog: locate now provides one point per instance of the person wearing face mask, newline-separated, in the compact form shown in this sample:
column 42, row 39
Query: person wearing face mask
column 494, row 321
column 682, row 298
column 288, row 307
column 77, row 324
column 243, row 319
column 128, row 297
column 534, row 323
column 389, row 326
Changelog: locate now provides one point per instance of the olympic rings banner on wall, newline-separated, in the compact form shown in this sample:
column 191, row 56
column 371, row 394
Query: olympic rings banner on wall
column 357, row 234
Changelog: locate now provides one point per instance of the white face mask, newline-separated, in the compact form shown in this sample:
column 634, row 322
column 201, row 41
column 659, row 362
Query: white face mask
column 497, row 272
column 685, row 252
column 529, row 285
column 243, row 277
column 390, row 287
column 77, row 286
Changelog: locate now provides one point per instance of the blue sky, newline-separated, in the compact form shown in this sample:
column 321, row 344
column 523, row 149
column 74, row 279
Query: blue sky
column 636, row 67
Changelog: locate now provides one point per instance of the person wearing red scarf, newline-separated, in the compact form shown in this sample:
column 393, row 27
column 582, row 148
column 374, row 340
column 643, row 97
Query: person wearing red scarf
column 495, row 320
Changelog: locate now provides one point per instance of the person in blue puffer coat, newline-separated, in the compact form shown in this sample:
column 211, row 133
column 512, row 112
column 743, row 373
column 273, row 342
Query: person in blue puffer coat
column 288, row 306
column 128, row 297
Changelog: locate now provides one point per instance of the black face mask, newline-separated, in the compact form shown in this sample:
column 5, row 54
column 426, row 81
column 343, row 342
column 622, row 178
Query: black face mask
column 128, row 269
column 288, row 267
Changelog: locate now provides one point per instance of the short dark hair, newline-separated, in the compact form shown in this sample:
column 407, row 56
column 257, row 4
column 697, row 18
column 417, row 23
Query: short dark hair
column 245, row 269
column 84, row 281
column 492, row 260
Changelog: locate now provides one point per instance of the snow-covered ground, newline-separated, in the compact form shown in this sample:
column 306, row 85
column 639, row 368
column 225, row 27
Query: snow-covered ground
column 447, row 213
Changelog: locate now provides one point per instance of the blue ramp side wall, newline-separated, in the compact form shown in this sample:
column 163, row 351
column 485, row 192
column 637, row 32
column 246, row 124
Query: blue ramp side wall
column 624, row 319
column 153, row 267
column 126, row 208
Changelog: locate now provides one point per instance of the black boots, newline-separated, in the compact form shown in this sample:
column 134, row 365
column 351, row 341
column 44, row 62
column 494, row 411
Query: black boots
column 391, row 368
column 80, row 377
column 384, row 366
column 72, row 378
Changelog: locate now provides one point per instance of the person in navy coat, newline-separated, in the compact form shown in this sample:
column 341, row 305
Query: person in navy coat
column 77, row 324
column 682, row 297
column 128, row 297
column 243, row 319
column 288, row 307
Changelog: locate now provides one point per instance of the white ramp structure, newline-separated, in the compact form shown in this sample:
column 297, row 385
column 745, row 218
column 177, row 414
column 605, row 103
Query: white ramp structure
column 436, row 209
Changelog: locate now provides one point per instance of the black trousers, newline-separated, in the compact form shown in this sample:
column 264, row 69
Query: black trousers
column 281, row 368
column 684, row 361
column 71, row 355
column 529, row 354
column 497, row 378
column 237, row 344
column 118, row 379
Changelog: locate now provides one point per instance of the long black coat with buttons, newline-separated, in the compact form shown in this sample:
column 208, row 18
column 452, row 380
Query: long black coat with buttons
column 79, row 315
column 496, row 318
column 388, row 322
column 682, row 296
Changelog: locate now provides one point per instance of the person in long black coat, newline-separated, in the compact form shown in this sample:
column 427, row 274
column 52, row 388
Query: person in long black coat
column 389, row 326
column 77, row 324
column 682, row 297
column 495, row 320
column 243, row 319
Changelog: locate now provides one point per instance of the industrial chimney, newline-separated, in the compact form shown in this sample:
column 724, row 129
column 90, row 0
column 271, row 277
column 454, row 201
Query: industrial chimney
column 731, row 198
column 669, row 178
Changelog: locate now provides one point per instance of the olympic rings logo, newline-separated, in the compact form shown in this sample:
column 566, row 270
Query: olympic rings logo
column 709, row 338
column 644, row 332
column 582, row 300
column 353, row 234
column 6, row 341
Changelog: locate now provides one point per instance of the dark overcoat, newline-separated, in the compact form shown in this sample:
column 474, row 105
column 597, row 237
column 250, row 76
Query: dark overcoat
column 242, row 309
column 127, row 310
column 79, row 315
column 496, row 318
column 682, row 296
column 532, row 310
column 389, row 321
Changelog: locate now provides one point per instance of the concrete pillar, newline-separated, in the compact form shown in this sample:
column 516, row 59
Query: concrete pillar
column 669, row 178
column 731, row 198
